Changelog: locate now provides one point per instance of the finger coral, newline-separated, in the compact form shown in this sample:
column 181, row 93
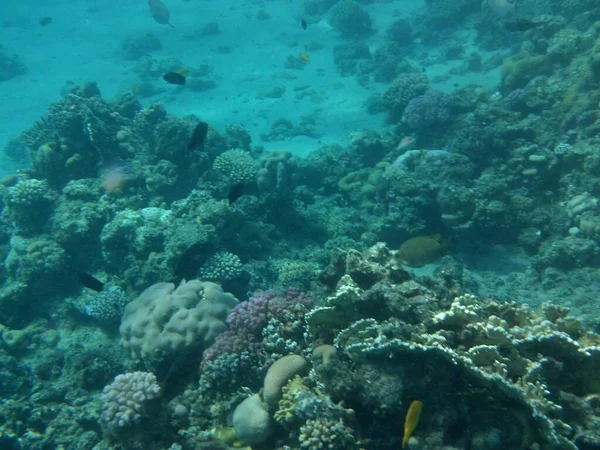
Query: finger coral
column 124, row 399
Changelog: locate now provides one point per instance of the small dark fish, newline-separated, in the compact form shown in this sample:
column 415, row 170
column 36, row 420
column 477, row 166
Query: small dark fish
column 125, row 169
column 521, row 24
column 90, row 282
column 180, row 370
column 236, row 191
column 174, row 78
column 45, row 21
column 190, row 262
column 304, row 24
column 198, row 136
column 160, row 12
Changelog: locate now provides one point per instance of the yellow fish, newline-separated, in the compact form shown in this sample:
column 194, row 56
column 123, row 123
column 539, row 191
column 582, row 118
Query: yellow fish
column 304, row 57
column 412, row 420
column 182, row 71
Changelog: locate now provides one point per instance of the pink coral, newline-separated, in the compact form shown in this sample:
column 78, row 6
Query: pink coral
column 247, row 320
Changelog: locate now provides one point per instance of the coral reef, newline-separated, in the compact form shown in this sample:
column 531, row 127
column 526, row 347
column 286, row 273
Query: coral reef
column 431, row 260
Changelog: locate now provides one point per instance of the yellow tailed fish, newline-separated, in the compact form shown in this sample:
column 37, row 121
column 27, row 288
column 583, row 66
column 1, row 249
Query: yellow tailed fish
column 412, row 420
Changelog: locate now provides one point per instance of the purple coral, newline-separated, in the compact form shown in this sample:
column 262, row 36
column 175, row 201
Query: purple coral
column 250, row 317
column 247, row 320
column 231, row 342
column 428, row 110
column 288, row 304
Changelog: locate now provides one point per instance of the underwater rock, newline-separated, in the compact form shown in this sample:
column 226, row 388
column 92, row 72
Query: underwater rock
column 10, row 66
column 251, row 421
column 324, row 353
column 135, row 47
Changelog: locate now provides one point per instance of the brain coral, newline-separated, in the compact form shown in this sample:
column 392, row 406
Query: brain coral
column 280, row 372
column 165, row 318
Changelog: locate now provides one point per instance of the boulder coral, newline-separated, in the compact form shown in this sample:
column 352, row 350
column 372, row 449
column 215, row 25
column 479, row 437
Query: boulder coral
column 251, row 421
column 165, row 318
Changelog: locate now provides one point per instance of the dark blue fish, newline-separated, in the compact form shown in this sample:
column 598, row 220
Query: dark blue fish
column 236, row 191
column 90, row 282
column 174, row 78
column 521, row 24
column 198, row 136
column 125, row 170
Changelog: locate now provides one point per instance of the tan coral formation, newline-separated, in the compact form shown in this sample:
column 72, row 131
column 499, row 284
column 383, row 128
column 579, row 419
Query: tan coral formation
column 540, row 367
column 166, row 319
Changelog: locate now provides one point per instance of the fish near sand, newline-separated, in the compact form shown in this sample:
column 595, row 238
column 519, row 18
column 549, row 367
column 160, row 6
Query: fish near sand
column 501, row 8
column 160, row 12
column 422, row 250
column 174, row 78
column 521, row 24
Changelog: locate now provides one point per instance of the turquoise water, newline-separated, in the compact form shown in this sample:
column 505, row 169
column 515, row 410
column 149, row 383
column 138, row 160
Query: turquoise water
column 318, row 224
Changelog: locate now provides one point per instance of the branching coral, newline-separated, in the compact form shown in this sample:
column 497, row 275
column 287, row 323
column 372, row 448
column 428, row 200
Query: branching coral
column 237, row 165
column 124, row 399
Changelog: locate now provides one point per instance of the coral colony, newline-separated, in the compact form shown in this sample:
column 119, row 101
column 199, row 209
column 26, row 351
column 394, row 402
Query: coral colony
column 218, row 279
